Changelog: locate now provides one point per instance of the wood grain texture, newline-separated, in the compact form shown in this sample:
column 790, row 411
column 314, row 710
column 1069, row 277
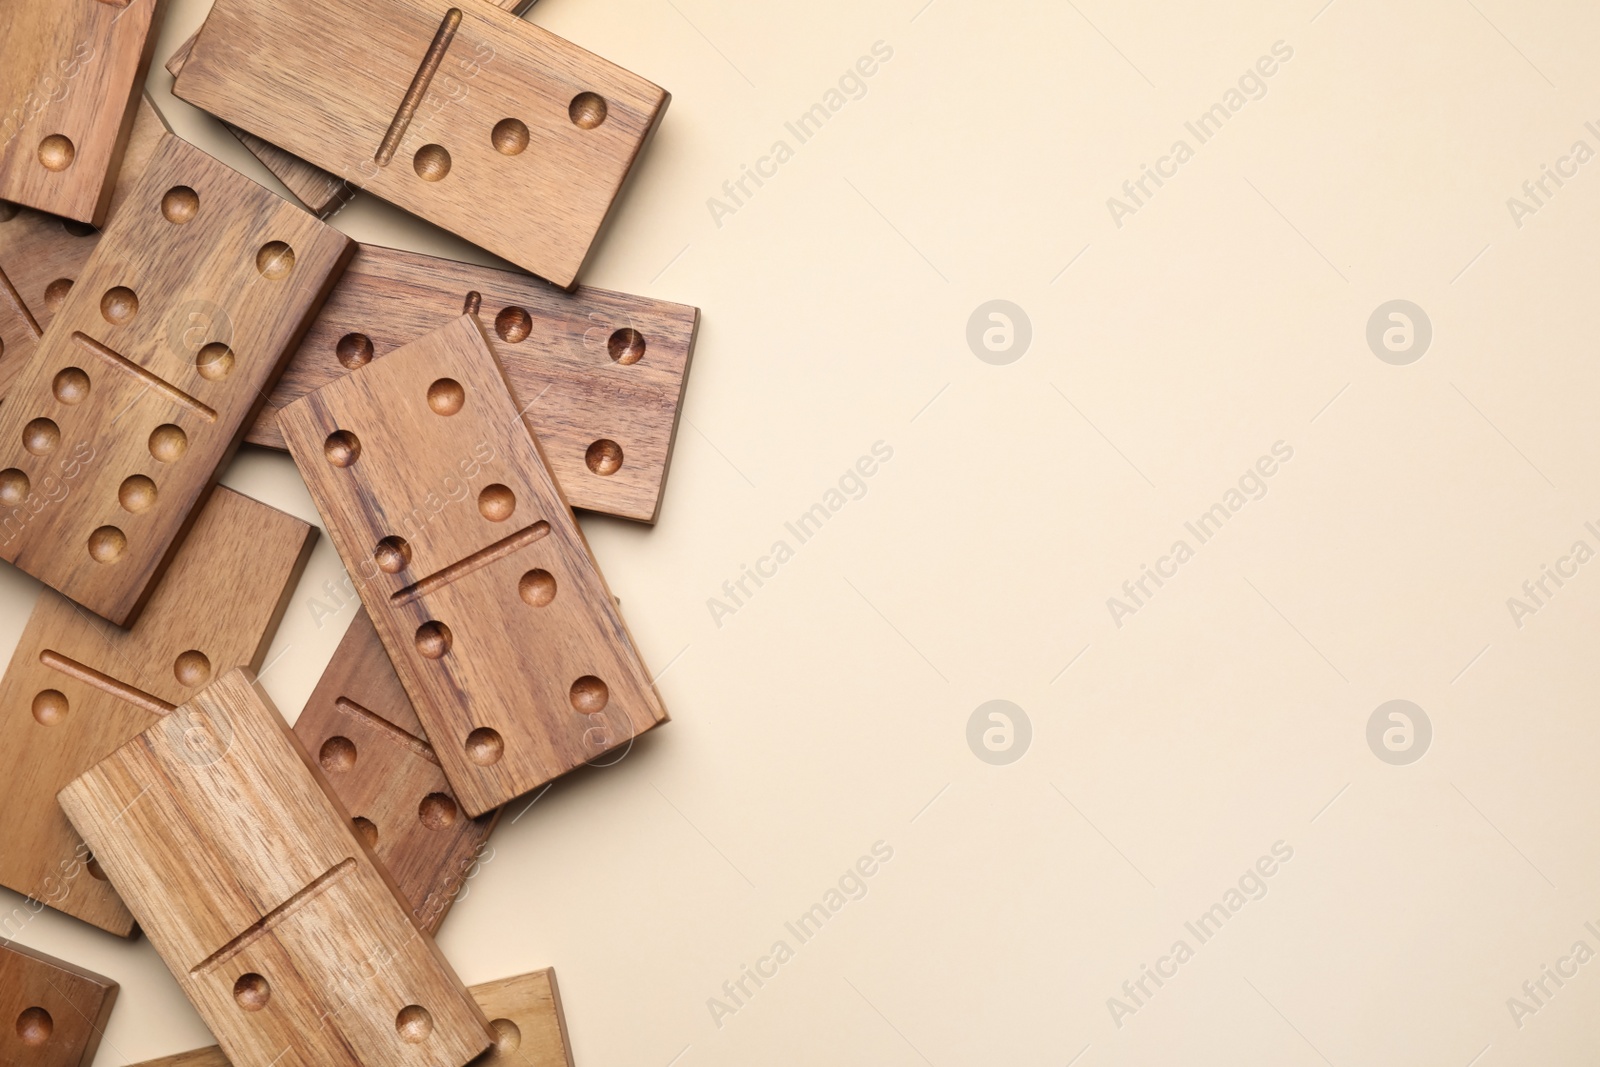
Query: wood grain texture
column 77, row 688
column 525, row 1013
column 471, row 565
column 455, row 110
column 210, row 1056
column 41, row 255
column 389, row 778
column 19, row 331
column 54, row 1013
column 152, row 368
column 587, row 366
column 322, row 193
column 288, row 939
column 360, row 666
column 70, row 79
column 529, row 1024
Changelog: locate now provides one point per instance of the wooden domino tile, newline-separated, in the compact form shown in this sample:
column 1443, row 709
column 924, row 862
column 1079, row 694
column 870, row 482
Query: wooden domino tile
column 455, row 110
column 389, row 778
column 78, row 688
column 530, row 1027
column 53, row 1013
column 71, row 75
column 210, row 1056
column 322, row 193
column 141, row 389
column 599, row 374
column 471, row 565
column 288, row 939
column 360, row 669
column 19, row 331
column 524, row 1012
column 41, row 255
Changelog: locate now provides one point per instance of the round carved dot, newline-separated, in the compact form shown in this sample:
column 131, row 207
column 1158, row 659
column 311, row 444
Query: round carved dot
column 354, row 350
column 433, row 639
column 438, row 811
column 136, row 494
column 432, row 162
column 13, row 487
column 252, row 992
column 56, row 152
column 214, row 361
column 275, row 260
column 510, row 137
column 537, row 587
column 168, row 442
column 78, row 229
column 514, row 324
column 49, row 707
column 41, row 436
column 56, row 292
column 107, row 544
column 507, row 1036
column 8, row 210
column 366, row 830
column 180, row 204
column 338, row 754
column 587, row 110
column 34, row 1026
column 92, row 865
column 446, row 396
column 604, row 457
column 119, row 305
column 70, row 386
column 192, row 668
column 497, row 502
column 392, row 555
column 485, row 747
column 413, row 1024
column 342, row 448
column 626, row 346
column 589, row 694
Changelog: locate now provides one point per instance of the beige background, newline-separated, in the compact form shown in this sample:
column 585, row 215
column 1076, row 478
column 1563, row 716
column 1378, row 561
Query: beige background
column 1168, row 754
